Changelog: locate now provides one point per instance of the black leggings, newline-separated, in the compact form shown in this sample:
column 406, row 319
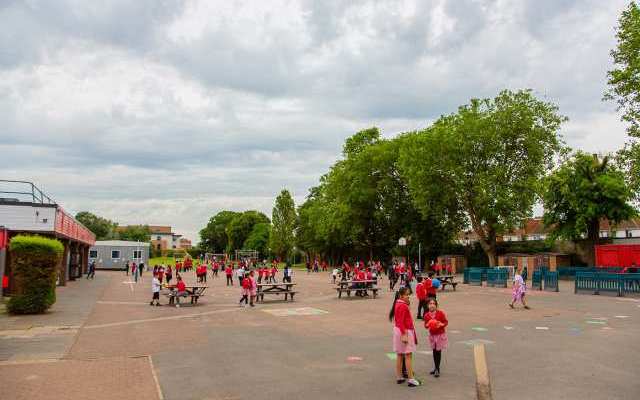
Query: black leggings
column 437, row 357
column 229, row 280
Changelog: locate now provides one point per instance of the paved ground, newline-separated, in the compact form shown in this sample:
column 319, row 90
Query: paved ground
column 567, row 347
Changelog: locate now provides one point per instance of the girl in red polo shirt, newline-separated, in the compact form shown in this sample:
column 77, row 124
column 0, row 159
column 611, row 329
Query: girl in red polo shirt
column 228, row 271
column 435, row 321
column 245, row 290
column 404, row 335
column 274, row 271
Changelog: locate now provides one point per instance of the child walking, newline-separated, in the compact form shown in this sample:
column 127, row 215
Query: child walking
column 245, row 290
column 155, row 289
column 435, row 321
column 404, row 336
column 519, row 290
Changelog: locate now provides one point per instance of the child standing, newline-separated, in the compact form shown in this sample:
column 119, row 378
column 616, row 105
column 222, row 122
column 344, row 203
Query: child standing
column 155, row 289
column 253, row 291
column 421, row 294
column 274, row 271
column 169, row 275
column 404, row 336
column 228, row 271
column 519, row 290
column 245, row 290
column 334, row 274
column 435, row 321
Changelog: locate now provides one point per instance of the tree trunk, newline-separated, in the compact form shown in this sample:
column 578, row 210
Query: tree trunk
column 593, row 238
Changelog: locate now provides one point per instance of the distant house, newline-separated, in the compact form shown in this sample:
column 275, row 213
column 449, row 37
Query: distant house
column 534, row 229
column 114, row 254
column 163, row 238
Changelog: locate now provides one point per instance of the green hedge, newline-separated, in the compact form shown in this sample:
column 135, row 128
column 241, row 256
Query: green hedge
column 34, row 260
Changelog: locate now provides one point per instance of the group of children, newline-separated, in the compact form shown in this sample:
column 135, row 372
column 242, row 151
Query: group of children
column 405, row 338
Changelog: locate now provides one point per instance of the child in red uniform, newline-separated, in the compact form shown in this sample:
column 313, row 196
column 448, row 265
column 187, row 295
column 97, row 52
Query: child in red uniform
column 421, row 294
column 245, row 290
column 437, row 335
column 404, row 336
column 253, row 291
column 229, row 273
column 274, row 271
column 260, row 274
column 431, row 291
column 181, row 289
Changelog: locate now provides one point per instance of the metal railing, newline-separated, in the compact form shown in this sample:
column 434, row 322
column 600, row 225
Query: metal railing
column 26, row 192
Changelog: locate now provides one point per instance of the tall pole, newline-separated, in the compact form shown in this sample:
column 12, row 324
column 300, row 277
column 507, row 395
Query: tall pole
column 420, row 256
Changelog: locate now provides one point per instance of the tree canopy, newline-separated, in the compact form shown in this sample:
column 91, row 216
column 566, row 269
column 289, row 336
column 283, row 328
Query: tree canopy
column 580, row 193
column 213, row 237
column 103, row 228
column 283, row 219
column 240, row 227
column 483, row 164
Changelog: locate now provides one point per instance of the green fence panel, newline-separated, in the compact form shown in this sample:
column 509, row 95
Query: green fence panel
column 551, row 281
column 475, row 277
column 536, row 280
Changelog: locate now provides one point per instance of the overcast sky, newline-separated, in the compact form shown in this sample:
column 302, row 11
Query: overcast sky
column 166, row 112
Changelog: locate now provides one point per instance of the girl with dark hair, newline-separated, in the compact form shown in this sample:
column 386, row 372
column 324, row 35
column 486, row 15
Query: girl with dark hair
column 404, row 335
column 435, row 321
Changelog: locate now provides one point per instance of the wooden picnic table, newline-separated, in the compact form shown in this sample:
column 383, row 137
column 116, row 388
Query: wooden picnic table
column 194, row 291
column 447, row 280
column 347, row 286
column 275, row 288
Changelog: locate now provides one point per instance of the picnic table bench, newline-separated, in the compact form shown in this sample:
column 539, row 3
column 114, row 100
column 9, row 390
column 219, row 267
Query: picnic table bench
column 347, row 286
column 193, row 291
column 285, row 288
column 447, row 280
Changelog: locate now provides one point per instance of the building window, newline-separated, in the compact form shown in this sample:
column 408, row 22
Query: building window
column 604, row 234
column 137, row 254
column 115, row 254
column 93, row 253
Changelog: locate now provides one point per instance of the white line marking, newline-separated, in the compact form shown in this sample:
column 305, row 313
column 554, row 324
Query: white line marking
column 141, row 321
column 155, row 378
column 542, row 328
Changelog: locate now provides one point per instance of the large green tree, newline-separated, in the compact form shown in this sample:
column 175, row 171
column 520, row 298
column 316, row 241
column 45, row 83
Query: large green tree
column 241, row 226
column 135, row 233
column 624, row 89
column 362, row 205
column 258, row 238
column 484, row 163
column 580, row 193
column 101, row 227
column 213, row 237
column 624, row 78
column 283, row 219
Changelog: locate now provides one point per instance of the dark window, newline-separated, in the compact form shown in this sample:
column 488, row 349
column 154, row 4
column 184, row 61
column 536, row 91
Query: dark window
column 93, row 253
column 115, row 254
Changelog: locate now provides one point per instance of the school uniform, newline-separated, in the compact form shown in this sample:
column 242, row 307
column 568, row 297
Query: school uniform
column 403, row 325
column 421, row 294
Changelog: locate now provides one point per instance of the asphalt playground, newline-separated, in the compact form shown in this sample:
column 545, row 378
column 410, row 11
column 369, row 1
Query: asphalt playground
column 102, row 340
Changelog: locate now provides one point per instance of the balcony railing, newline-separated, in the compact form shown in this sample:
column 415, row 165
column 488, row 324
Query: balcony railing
column 22, row 191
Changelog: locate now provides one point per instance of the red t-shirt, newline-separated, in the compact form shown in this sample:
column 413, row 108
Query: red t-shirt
column 246, row 283
column 421, row 291
column 228, row 271
column 439, row 315
column 402, row 317
column 274, row 271
column 429, row 287
column 181, row 286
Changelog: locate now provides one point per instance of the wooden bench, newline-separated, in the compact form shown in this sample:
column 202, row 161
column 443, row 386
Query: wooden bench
column 285, row 288
column 443, row 285
column 341, row 289
column 194, row 292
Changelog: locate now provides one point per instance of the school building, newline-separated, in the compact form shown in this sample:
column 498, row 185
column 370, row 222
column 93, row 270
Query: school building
column 114, row 254
column 24, row 208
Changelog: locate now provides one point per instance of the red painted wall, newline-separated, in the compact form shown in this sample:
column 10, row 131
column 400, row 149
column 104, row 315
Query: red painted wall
column 67, row 226
column 4, row 238
column 617, row 255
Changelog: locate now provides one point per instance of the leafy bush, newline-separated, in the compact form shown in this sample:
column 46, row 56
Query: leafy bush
column 34, row 260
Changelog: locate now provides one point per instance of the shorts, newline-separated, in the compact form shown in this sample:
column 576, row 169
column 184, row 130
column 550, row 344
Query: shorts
column 156, row 295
